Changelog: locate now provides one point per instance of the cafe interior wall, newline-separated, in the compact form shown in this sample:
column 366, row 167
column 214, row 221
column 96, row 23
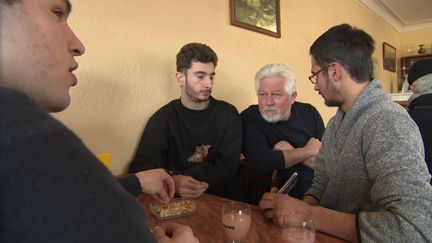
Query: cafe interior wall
column 410, row 41
column 128, row 70
column 414, row 39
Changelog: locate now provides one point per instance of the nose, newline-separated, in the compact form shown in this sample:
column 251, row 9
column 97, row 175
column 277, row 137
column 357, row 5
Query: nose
column 208, row 82
column 270, row 100
column 76, row 47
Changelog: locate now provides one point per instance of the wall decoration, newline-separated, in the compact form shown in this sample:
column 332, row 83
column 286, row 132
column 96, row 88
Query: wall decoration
column 262, row 16
column 389, row 57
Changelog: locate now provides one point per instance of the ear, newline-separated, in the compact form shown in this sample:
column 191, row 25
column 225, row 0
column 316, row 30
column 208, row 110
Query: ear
column 293, row 97
column 180, row 78
column 335, row 71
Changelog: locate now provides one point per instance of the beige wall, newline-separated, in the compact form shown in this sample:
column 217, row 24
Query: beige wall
column 128, row 69
column 409, row 45
column 415, row 38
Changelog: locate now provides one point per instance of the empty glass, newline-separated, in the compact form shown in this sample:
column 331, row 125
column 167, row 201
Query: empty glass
column 298, row 227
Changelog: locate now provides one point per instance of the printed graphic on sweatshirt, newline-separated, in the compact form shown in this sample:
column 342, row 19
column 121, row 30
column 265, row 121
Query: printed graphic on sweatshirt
column 200, row 153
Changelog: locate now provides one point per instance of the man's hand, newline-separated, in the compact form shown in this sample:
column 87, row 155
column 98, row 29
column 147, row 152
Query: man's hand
column 174, row 233
column 313, row 146
column 310, row 162
column 188, row 187
column 283, row 145
column 157, row 183
column 277, row 205
column 305, row 155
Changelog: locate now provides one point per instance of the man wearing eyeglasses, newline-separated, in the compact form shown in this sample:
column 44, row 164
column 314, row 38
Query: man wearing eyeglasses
column 371, row 182
column 280, row 133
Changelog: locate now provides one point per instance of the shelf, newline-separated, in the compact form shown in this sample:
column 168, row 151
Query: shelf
column 408, row 61
column 400, row 98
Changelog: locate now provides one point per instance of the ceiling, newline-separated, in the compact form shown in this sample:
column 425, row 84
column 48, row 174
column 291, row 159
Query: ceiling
column 403, row 15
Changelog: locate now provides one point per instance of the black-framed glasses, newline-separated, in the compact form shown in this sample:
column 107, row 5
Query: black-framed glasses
column 313, row 78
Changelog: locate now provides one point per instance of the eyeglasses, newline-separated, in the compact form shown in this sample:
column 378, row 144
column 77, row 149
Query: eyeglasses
column 313, row 78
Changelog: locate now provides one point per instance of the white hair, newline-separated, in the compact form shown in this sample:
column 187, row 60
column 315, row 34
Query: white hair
column 280, row 70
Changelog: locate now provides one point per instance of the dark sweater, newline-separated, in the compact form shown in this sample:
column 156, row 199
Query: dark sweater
column 260, row 136
column 202, row 144
column 420, row 110
column 53, row 189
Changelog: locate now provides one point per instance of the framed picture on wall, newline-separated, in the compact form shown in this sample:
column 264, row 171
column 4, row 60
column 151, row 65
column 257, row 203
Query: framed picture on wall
column 389, row 57
column 262, row 16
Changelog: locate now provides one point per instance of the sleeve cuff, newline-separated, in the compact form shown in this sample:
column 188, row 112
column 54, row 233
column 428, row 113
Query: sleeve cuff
column 131, row 184
column 311, row 195
column 358, row 228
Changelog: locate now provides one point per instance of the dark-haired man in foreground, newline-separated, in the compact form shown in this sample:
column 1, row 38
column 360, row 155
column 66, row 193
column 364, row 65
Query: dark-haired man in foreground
column 53, row 189
column 371, row 182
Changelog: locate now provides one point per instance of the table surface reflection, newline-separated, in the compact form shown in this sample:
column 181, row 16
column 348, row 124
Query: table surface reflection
column 207, row 225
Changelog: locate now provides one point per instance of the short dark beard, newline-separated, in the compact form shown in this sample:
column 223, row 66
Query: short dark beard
column 196, row 99
column 331, row 103
column 328, row 101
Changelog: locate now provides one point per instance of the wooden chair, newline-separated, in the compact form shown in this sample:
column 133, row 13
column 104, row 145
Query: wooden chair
column 255, row 184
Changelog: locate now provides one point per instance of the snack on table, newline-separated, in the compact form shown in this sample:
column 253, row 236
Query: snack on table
column 174, row 208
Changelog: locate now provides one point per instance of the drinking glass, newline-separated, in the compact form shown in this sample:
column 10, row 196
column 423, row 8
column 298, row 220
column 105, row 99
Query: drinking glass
column 298, row 227
column 236, row 220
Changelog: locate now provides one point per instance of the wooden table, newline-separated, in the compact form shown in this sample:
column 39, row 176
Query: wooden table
column 207, row 226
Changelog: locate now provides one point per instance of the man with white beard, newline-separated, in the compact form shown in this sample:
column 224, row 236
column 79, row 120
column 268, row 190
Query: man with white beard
column 280, row 133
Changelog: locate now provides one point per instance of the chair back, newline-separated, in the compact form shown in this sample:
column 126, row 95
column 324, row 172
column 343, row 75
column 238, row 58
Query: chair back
column 255, row 184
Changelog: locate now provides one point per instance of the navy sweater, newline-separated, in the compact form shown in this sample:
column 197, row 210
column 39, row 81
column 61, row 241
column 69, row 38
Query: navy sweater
column 260, row 136
column 53, row 189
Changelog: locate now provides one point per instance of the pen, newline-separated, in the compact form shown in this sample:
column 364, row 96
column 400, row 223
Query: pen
column 289, row 184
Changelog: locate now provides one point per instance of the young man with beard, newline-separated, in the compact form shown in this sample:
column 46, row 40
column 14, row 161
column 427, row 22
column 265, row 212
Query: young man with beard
column 280, row 133
column 196, row 138
column 371, row 182
column 53, row 189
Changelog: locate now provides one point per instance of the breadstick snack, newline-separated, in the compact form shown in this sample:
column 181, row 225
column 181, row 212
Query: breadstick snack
column 174, row 208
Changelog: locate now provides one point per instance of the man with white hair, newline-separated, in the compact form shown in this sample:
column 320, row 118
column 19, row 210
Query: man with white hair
column 420, row 103
column 280, row 133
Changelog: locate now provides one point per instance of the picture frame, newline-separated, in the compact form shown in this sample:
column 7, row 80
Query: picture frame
column 261, row 16
column 389, row 57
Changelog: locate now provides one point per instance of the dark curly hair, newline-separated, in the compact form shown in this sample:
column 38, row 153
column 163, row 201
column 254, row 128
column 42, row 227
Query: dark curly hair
column 194, row 52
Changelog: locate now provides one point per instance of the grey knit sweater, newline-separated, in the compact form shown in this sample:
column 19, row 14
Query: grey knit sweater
column 371, row 163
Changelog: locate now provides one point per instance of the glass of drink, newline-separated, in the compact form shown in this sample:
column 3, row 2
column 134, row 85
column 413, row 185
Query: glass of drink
column 236, row 220
column 298, row 227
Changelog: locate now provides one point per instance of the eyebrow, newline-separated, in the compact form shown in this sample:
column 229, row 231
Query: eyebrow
column 202, row 72
column 278, row 92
